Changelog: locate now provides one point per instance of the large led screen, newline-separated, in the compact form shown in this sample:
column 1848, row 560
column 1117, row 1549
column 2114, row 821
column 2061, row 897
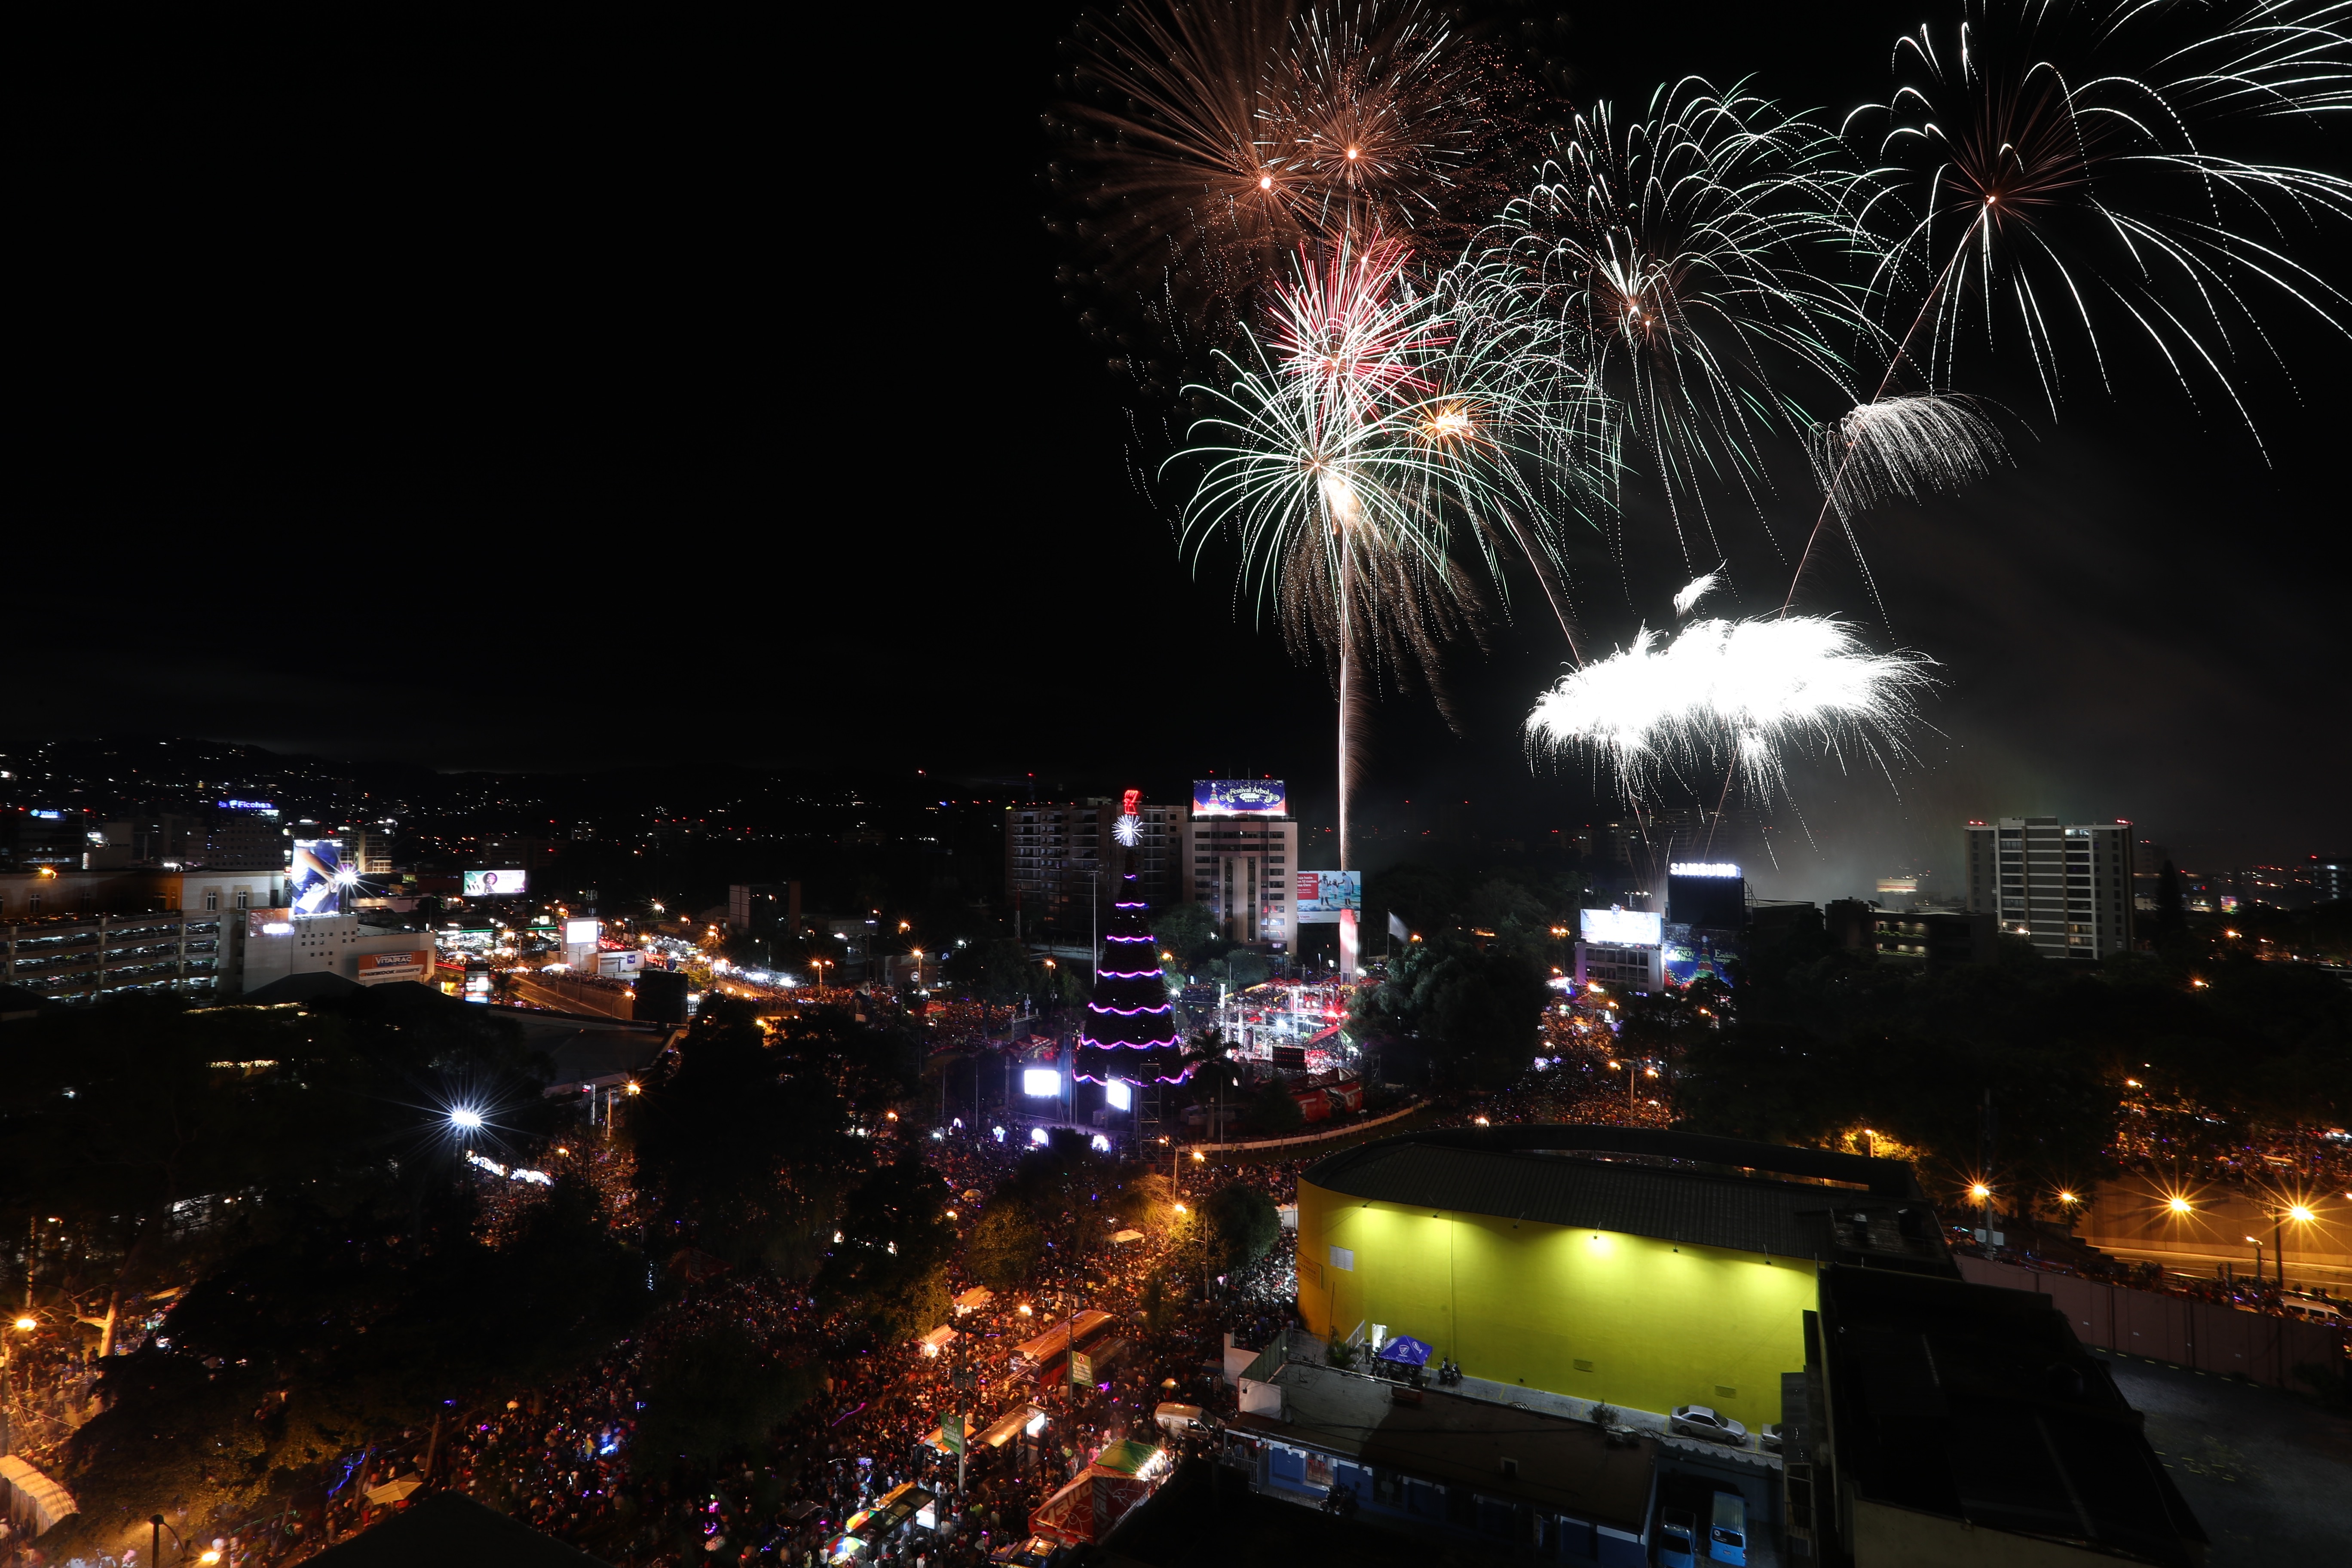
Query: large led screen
column 1238, row 797
column 494, row 884
column 1323, row 894
column 1622, row 928
column 317, row 877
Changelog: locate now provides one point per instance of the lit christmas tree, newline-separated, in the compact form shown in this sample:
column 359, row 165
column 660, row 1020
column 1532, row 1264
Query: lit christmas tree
column 1130, row 1033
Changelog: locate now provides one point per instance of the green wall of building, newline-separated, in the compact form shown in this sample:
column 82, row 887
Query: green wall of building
column 1640, row 1322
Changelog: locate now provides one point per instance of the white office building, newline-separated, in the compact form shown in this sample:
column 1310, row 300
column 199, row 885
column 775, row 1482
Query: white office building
column 2067, row 886
column 1238, row 854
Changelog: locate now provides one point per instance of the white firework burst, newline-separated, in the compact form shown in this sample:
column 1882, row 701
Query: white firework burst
column 1735, row 694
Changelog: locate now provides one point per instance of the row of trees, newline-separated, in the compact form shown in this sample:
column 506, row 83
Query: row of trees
column 2027, row 1068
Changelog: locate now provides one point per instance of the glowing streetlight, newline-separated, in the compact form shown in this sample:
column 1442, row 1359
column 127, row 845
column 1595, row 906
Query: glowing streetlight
column 2176, row 1203
column 26, row 1324
column 465, row 1119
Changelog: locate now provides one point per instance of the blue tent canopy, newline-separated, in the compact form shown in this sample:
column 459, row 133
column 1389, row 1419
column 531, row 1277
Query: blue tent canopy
column 1406, row 1350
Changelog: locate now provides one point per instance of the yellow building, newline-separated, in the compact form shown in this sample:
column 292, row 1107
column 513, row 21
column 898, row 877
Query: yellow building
column 1647, row 1270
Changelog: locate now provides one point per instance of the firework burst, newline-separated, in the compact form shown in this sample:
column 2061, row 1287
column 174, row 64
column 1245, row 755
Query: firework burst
column 1910, row 447
column 1731, row 694
column 1378, row 431
column 2052, row 169
column 1223, row 133
column 1670, row 259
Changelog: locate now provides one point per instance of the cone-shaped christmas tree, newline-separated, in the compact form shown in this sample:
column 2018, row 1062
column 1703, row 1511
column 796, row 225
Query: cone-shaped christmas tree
column 1131, row 1026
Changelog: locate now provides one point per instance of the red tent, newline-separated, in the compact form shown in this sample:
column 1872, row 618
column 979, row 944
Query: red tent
column 1106, row 1492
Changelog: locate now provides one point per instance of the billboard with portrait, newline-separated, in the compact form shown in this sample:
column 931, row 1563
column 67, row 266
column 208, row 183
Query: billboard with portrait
column 494, row 884
column 1323, row 894
column 316, row 881
column 1620, row 928
column 1238, row 797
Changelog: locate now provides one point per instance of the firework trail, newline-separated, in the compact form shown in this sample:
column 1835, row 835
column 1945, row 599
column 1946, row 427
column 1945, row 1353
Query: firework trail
column 1672, row 259
column 2051, row 170
column 1736, row 694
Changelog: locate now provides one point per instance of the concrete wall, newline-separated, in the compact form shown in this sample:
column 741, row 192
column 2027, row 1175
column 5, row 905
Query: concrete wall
column 1637, row 1321
column 2200, row 1334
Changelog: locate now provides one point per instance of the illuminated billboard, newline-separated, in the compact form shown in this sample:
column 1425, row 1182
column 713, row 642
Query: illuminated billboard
column 318, row 877
column 494, row 884
column 1238, row 797
column 582, row 933
column 1702, row 869
column 1622, row 928
column 1323, row 894
column 1040, row 1082
column 379, row 968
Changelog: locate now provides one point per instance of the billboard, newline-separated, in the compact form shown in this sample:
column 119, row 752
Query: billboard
column 494, row 884
column 1622, row 928
column 1323, row 894
column 381, row 968
column 582, row 933
column 1238, row 797
column 318, row 877
column 1692, row 953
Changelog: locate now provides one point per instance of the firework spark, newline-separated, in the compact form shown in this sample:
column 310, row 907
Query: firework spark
column 1732, row 694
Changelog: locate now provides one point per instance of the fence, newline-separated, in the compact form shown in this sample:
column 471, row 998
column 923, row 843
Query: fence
column 1344, row 1130
column 2200, row 1334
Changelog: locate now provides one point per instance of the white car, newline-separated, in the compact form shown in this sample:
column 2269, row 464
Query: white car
column 1768, row 1437
column 1699, row 1421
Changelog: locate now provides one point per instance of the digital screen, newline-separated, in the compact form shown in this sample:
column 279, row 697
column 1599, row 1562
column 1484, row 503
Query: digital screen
column 317, row 877
column 1625, row 927
column 1323, row 894
column 1238, row 797
column 1692, row 953
column 581, row 933
column 494, row 884
column 1119, row 1094
column 1702, row 869
column 1040, row 1081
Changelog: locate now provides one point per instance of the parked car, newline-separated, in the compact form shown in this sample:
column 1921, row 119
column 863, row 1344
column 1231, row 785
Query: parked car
column 1728, row 1541
column 1767, row 1436
column 1677, row 1538
column 1699, row 1421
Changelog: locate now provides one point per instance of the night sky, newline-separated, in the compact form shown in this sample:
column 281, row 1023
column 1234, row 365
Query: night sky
column 492, row 394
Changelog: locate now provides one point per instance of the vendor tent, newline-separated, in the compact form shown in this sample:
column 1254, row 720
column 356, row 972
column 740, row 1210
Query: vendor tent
column 1405, row 1350
column 1122, row 1476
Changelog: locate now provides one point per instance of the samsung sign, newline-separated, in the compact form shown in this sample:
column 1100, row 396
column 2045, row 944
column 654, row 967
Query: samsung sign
column 1702, row 869
column 1622, row 928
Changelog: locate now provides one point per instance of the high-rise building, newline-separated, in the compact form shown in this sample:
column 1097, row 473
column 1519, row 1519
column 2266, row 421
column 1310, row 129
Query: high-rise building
column 1058, row 856
column 2067, row 886
column 2331, row 878
column 1240, row 855
column 2148, row 870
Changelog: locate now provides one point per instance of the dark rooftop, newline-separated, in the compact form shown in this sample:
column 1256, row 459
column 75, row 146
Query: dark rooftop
column 1976, row 1403
column 1564, row 1466
column 1704, row 1191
